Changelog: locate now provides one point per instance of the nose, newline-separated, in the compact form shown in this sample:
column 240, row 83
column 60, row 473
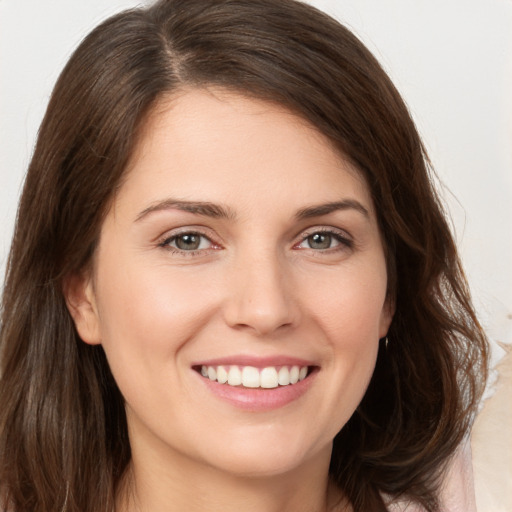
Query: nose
column 259, row 298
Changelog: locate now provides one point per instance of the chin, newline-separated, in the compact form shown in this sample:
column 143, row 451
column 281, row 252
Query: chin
column 263, row 460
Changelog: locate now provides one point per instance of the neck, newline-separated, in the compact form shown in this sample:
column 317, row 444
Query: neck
column 152, row 485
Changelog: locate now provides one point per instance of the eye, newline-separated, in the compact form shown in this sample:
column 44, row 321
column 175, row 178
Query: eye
column 324, row 240
column 187, row 242
column 320, row 241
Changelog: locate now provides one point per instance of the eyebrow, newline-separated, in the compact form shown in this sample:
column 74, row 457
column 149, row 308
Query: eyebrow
column 217, row 211
column 204, row 208
column 326, row 208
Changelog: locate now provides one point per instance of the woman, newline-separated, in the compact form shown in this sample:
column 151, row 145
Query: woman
column 239, row 288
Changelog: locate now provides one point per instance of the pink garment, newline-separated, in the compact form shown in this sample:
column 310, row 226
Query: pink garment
column 458, row 493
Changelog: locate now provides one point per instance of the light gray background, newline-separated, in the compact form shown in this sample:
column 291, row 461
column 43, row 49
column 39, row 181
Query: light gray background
column 451, row 60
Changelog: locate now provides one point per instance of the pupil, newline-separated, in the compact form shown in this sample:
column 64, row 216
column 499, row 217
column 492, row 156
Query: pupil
column 319, row 241
column 188, row 242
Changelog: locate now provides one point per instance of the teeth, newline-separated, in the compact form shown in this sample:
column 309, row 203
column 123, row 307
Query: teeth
column 268, row 378
column 234, row 376
column 222, row 374
column 294, row 375
column 283, row 377
column 251, row 377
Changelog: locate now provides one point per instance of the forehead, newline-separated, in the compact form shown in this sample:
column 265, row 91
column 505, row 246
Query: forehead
column 204, row 141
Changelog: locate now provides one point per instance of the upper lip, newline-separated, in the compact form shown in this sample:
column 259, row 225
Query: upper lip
column 255, row 361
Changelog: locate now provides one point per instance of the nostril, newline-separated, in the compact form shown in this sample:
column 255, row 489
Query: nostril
column 260, row 305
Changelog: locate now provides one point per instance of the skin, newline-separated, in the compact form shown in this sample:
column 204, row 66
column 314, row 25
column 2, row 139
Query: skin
column 256, row 285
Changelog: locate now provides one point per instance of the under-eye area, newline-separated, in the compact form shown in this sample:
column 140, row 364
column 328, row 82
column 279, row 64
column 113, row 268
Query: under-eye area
column 270, row 377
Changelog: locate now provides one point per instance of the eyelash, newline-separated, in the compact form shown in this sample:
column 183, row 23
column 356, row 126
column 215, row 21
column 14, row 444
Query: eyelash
column 344, row 242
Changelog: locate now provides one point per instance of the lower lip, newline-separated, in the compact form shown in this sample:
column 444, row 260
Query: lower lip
column 259, row 399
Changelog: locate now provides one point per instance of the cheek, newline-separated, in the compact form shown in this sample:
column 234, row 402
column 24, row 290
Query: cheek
column 148, row 317
column 150, row 310
column 349, row 318
column 351, row 306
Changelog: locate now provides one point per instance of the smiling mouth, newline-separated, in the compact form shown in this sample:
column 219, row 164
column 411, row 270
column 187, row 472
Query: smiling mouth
column 251, row 377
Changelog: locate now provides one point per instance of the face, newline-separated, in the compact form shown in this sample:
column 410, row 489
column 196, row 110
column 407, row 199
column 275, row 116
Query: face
column 239, row 287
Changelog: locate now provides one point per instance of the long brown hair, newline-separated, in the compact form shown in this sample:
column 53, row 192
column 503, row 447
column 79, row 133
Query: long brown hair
column 63, row 433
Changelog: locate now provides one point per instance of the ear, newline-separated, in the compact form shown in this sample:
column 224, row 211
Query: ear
column 80, row 298
column 388, row 311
